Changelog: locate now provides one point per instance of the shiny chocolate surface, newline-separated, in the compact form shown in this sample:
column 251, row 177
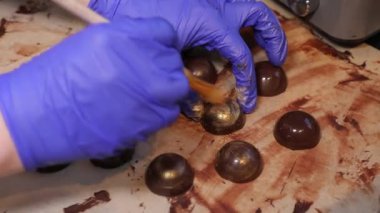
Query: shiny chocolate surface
column 239, row 162
column 297, row 130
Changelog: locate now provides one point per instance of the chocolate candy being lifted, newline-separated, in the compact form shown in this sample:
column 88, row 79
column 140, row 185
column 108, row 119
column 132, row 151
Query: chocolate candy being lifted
column 169, row 175
column 271, row 80
column 202, row 68
column 223, row 119
column 239, row 162
column 53, row 168
column 297, row 130
column 116, row 161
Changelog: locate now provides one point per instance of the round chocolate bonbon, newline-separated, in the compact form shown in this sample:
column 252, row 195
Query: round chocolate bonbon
column 297, row 130
column 239, row 162
column 202, row 68
column 169, row 175
column 271, row 80
column 223, row 119
column 52, row 168
column 115, row 161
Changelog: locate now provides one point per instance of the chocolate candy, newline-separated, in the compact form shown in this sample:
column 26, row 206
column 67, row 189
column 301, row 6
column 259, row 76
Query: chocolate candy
column 52, row 168
column 169, row 175
column 223, row 119
column 239, row 162
column 202, row 68
column 115, row 161
column 297, row 130
column 271, row 80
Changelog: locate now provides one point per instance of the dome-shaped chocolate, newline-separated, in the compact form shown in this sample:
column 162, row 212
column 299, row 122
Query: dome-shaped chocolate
column 223, row 119
column 202, row 68
column 239, row 162
column 116, row 161
column 297, row 130
column 52, row 168
column 169, row 175
column 271, row 80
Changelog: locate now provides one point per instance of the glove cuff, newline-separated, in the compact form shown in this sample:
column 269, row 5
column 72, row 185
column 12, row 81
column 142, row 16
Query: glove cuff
column 35, row 130
column 106, row 8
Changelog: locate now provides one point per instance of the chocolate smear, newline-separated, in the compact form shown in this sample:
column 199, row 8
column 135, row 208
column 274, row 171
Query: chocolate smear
column 354, row 77
column 98, row 198
column 3, row 21
column 302, row 206
column 32, row 7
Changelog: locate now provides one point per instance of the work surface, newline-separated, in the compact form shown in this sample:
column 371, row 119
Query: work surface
column 340, row 175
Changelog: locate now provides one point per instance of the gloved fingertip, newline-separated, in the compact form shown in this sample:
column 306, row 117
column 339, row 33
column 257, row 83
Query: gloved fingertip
column 247, row 109
column 104, row 7
column 278, row 56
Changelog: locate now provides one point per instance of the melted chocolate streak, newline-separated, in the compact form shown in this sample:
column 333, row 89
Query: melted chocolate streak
column 354, row 123
column 332, row 120
column 98, row 198
column 3, row 21
column 302, row 206
column 32, row 7
column 354, row 77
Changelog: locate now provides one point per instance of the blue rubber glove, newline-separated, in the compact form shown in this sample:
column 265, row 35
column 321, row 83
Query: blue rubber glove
column 97, row 92
column 214, row 24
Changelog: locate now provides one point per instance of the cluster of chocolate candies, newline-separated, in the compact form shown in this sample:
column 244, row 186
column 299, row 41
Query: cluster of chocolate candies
column 238, row 161
column 218, row 119
column 171, row 175
column 107, row 163
column 222, row 119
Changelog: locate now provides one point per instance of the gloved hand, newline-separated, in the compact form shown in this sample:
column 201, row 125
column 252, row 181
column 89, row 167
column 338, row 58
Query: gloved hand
column 214, row 24
column 97, row 92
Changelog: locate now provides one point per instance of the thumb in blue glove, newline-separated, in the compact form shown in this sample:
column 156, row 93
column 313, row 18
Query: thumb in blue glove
column 214, row 24
column 95, row 93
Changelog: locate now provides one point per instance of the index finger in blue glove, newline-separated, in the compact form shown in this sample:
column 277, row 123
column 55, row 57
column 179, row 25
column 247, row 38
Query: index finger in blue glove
column 231, row 46
column 268, row 32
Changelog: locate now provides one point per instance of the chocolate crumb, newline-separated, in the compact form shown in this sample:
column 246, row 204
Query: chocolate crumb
column 363, row 65
column 348, row 53
column 3, row 21
column 354, row 123
column 133, row 168
column 98, row 198
column 332, row 120
column 258, row 210
column 302, row 206
column 141, row 205
column 340, row 160
column 270, row 202
column 181, row 203
column 32, row 7
column 299, row 102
